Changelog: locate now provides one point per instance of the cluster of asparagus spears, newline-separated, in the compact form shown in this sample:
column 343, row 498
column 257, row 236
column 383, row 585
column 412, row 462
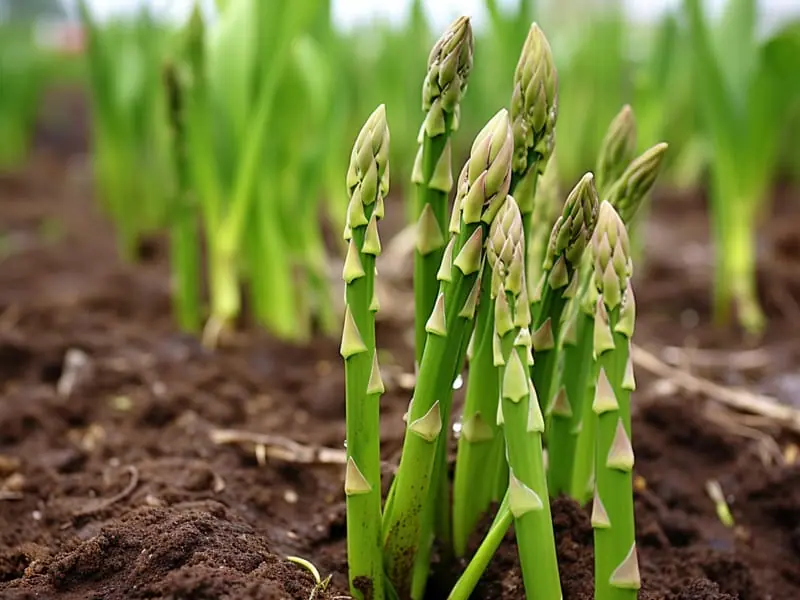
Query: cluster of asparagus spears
column 543, row 313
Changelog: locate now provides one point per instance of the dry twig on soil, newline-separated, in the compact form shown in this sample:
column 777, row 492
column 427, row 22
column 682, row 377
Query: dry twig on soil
column 734, row 397
column 133, row 473
column 282, row 448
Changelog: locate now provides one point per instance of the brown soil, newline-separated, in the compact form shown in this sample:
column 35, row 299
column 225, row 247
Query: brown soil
column 112, row 487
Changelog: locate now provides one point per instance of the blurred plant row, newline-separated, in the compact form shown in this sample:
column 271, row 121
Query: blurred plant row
column 238, row 125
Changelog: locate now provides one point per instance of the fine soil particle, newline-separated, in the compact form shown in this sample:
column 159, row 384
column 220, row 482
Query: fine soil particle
column 112, row 485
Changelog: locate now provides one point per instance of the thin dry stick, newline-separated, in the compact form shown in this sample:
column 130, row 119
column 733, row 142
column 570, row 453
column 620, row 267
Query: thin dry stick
column 768, row 449
column 282, row 448
column 743, row 360
column 738, row 398
column 133, row 473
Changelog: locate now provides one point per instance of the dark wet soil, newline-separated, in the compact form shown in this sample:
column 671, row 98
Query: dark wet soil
column 114, row 483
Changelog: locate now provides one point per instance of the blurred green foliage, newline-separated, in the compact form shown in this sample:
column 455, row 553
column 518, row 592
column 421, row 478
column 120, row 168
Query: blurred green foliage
column 729, row 107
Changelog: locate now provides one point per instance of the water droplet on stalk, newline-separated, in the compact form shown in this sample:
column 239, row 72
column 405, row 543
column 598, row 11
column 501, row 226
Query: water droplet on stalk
column 458, row 383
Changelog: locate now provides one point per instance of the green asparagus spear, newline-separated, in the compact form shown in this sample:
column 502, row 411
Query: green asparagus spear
column 572, row 445
column 481, row 443
column 568, row 239
column 557, row 285
column 480, row 450
column 449, row 65
column 482, row 190
column 522, row 419
column 546, row 205
column 629, row 191
column 367, row 183
column 577, row 367
column 616, row 150
column 534, row 110
column 616, row 563
column 574, row 452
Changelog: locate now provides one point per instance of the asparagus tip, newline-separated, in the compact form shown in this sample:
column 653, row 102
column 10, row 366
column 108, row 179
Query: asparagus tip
column 612, row 255
column 486, row 177
column 534, row 102
column 618, row 147
column 637, row 180
column 449, row 66
column 575, row 226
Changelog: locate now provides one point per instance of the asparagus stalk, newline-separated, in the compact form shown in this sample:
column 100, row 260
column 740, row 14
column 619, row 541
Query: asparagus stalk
column 184, row 249
column 616, row 564
column 577, row 376
column 572, row 446
column 449, row 65
column 557, row 285
column 533, row 115
column 480, row 447
column 482, row 190
column 477, row 565
column 534, row 110
column 528, row 500
column 568, row 239
column 367, row 183
column 573, row 452
column 546, row 204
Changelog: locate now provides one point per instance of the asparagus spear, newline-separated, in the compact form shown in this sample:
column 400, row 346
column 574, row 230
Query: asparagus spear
column 573, row 452
column 480, row 447
column 546, row 204
column 482, row 190
column 568, row 239
column 534, row 110
column 525, row 501
column 557, row 284
column 572, row 444
column 616, row 150
column 629, row 191
column 367, row 183
column 616, row 563
column 577, row 375
column 449, row 65
column 523, row 423
column 480, row 450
